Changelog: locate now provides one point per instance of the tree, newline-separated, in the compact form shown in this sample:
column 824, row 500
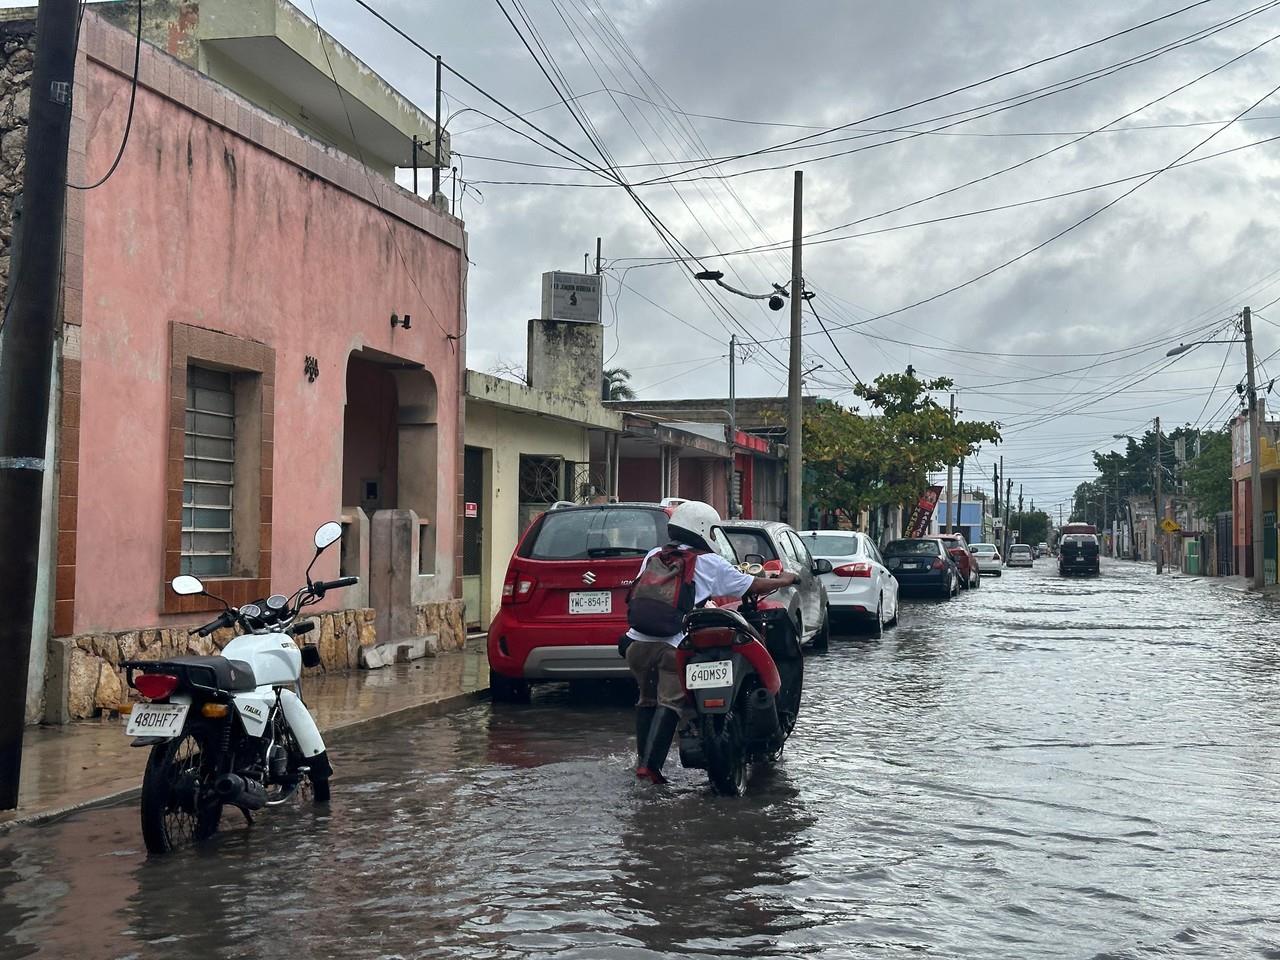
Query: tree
column 855, row 461
column 1032, row 526
column 1208, row 476
column 614, row 385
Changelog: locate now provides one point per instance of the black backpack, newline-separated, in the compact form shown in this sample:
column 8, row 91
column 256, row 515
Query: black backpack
column 663, row 592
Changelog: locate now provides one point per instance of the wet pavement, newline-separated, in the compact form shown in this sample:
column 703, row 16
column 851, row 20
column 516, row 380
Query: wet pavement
column 1043, row 768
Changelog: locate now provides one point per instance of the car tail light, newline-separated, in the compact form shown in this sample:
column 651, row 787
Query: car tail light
column 517, row 588
column 155, row 686
column 712, row 637
column 859, row 568
column 939, row 565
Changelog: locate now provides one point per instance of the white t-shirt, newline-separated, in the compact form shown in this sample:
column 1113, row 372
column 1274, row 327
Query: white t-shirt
column 713, row 576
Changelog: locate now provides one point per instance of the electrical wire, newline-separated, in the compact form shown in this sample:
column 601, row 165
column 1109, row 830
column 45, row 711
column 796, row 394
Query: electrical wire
column 133, row 98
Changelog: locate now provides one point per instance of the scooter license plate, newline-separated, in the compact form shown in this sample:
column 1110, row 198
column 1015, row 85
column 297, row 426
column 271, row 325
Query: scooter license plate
column 713, row 673
column 157, row 719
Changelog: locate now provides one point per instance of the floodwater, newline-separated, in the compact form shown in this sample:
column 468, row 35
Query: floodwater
column 1042, row 768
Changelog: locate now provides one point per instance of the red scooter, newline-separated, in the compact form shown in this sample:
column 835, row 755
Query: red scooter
column 743, row 672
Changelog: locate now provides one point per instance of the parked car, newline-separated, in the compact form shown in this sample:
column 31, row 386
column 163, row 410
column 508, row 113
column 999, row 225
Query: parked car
column 766, row 540
column 1078, row 553
column 1042, row 550
column 1020, row 555
column 564, row 599
column 859, row 584
column 922, row 563
column 970, row 574
column 988, row 558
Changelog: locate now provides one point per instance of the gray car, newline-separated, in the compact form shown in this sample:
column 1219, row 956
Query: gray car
column 772, row 540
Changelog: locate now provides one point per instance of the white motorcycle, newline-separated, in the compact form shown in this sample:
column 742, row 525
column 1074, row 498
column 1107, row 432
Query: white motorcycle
column 230, row 730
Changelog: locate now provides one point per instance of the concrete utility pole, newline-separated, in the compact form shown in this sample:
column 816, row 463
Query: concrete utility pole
column 1255, row 454
column 435, row 157
column 950, row 516
column 1160, row 534
column 733, row 424
column 795, row 409
column 26, row 360
column 1008, row 514
column 960, row 501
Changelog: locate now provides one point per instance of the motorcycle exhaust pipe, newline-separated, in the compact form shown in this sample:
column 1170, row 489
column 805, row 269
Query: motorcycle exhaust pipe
column 240, row 791
column 762, row 715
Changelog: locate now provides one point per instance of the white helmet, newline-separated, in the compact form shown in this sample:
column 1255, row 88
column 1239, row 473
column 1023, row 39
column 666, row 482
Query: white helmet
column 695, row 517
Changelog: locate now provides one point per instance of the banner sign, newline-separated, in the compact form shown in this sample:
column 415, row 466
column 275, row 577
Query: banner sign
column 922, row 513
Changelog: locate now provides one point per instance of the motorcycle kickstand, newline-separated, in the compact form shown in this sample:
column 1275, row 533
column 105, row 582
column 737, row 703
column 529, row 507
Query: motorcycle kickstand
column 248, row 816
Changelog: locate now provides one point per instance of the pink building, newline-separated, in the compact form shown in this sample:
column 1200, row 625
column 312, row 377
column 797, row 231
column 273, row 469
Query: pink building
column 261, row 332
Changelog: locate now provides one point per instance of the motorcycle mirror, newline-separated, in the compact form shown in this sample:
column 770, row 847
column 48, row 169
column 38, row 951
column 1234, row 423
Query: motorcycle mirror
column 328, row 534
column 187, row 586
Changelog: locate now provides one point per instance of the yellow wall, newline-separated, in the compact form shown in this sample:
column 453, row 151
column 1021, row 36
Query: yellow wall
column 506, row 434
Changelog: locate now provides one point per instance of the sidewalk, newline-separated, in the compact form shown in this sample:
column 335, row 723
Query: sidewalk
column 91, row 762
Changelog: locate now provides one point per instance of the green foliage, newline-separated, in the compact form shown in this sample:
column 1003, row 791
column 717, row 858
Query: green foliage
column 884, row 458
column 1208, row 476
column 1032, row 526
column 614, row 384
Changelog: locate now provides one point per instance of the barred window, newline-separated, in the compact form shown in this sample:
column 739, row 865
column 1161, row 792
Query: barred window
column 208, row 473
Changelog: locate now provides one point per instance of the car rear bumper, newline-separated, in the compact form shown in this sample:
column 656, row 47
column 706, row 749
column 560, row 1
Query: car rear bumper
column 575, row 663
column 555, row 651
column 859, row 596
column 927, row 580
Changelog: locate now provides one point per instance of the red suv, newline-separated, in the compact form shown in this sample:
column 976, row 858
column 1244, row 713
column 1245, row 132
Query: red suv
column 966, row 562
column 564, row 600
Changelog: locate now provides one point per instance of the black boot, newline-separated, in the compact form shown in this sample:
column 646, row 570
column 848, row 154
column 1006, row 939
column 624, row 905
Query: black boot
column 661, row 733
column 644, row 720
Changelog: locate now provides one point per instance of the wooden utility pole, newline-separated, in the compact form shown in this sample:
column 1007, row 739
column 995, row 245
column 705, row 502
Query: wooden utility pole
column 795, row 409
column 1160, row 534
column 26, row 361
column 951, row 520
column 1255, row 454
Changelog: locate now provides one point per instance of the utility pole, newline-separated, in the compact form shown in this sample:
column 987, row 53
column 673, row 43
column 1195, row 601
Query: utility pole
column 795, row 409
column 435, row 158
column 599, row 261
column 960, row 500
column 1255, row 454
column 1160, row 534
column 26, row 360
column 733, row 425
column 950, row 516
column 1008, row 502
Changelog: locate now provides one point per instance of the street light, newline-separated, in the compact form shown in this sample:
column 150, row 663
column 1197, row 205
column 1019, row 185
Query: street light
column 1184, row 347
column 776, row 301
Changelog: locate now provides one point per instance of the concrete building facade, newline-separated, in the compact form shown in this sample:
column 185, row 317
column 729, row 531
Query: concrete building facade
column 236, row 360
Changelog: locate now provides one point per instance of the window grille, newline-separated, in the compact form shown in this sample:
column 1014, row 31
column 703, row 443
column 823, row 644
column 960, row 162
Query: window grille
column 208, row 473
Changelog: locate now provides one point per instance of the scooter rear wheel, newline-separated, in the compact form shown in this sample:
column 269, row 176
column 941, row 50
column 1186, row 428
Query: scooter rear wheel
column 726, row 753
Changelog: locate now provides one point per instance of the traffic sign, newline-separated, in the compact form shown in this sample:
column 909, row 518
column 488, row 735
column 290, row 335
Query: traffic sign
column 1170, row 526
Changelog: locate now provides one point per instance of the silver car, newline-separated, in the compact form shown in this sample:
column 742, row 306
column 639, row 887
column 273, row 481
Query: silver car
column 988, row 557
column 1020, row 555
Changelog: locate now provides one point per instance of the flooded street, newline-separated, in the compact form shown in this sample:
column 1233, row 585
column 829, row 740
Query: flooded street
column 1042, row 768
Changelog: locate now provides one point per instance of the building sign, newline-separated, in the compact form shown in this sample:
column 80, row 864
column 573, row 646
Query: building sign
column 471, row 510
column 571, row 296
column 922, row 512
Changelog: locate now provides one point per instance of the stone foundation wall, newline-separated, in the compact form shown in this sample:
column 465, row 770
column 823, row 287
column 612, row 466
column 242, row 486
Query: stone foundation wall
column 17, row 46
column 441, row 619
column 86, row 679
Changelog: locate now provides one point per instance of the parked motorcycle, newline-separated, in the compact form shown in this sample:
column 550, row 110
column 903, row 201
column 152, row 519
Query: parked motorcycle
column 744, row 673
column 230, row 730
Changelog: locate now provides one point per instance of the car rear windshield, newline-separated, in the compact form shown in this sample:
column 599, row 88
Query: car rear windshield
column 745, row 542
column 1019, row 548
column 1079, row 538
column 830, row 546
column 913, row 548
column 596, row 534
column 984, row 548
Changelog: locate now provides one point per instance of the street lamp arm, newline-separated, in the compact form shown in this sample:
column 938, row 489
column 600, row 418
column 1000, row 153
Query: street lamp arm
column 1184, row 347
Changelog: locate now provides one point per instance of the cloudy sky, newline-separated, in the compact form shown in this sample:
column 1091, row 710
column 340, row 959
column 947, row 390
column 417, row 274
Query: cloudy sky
column 1064, row 346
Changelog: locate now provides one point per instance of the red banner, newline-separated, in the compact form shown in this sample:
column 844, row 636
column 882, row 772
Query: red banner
column 922, row 513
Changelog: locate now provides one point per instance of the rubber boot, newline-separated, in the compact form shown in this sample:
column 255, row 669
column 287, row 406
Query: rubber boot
column 661, row 733
column 644, row 720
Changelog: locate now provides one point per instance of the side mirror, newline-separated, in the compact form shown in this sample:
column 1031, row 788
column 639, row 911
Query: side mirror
column 187, row 586
column 328, row 534
column 753, row 558
column 973, row 549
column 821, row 566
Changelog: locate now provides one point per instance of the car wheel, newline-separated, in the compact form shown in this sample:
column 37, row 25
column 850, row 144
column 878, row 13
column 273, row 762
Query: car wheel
column 977, row 579
column 876, row 630
column 507, row 689
column 893, row 621
column 822, row 639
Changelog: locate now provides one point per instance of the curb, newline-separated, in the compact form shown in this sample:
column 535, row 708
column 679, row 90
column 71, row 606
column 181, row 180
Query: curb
column 335, row 734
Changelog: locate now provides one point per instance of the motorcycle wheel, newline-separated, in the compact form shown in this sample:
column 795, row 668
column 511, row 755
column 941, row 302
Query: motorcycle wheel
column 176, row 785
column 312, row 787
column 727, row 754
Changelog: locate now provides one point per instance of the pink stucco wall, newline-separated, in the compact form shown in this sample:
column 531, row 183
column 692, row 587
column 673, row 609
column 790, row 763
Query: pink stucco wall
column 204, row 227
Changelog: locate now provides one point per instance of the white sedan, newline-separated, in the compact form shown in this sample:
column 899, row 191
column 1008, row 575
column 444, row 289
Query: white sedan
column 859, row 583
column 988, row 557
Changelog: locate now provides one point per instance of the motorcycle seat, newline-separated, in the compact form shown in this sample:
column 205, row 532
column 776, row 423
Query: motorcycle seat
column 231, row 676
column 706, row 618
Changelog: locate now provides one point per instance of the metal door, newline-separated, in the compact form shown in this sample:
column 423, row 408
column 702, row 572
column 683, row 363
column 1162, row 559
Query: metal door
column 473, row 515
column 1269, row 547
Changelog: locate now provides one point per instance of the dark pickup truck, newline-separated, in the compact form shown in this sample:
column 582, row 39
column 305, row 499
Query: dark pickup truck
column 1078, row 553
